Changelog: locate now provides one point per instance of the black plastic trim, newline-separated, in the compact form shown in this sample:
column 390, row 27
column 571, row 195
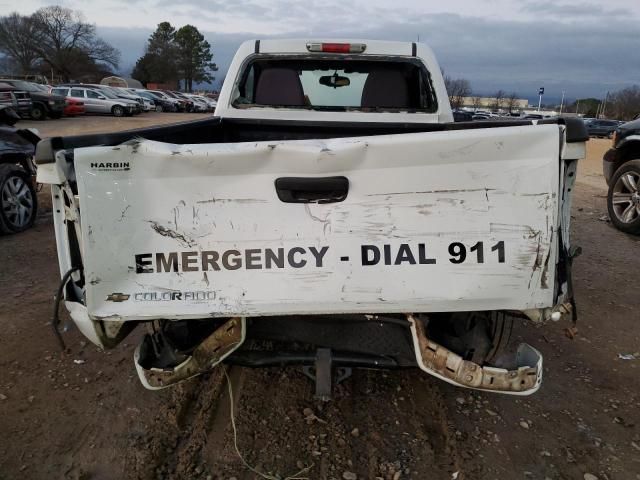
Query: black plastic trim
column 253, row 358
column 576, row 130
column 210, row 130
column 312, row 189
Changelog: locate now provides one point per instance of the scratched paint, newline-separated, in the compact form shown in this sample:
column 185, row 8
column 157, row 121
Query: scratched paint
column 437, row 189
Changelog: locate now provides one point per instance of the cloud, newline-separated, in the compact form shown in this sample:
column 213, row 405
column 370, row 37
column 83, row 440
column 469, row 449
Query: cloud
column 571, row 11
column 584, row 58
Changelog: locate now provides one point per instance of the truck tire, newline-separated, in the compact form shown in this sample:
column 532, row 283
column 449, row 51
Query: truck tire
column 38, row 112
column 118, row 111
column 623, row 198
column 481, row 337
column 18, row 200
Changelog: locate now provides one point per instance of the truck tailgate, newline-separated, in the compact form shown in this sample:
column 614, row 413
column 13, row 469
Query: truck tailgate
column 439, row 221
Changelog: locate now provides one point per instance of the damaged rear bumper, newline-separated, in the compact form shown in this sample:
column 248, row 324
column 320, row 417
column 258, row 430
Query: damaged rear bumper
column 523, row 378
column 210, row 352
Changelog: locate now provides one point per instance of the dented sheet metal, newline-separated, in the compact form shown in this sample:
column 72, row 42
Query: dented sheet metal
column 439, row 221
column 524, row 377
column 209, row 353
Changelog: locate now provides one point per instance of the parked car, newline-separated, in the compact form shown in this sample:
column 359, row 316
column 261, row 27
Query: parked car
column 186, row 105
column 205, row 104
column 44, row 104
column 173, row 105
column 125, row 93
column 602, row 128
column 462, row 116
column 282, row 221
column 149, row 104
column 621, row 168
column 73, row 107
column 160, row 104
column 96, row 101
column 199, row 105
column 18, row 200
column 18, row 100
column 112, row 93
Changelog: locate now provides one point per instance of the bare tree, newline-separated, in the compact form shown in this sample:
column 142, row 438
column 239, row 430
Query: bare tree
column 624, row 104
column 16, row 41
column 65, row 41
column 457, row 90
column 476, row 102
column 498, row 98
column 512, row 101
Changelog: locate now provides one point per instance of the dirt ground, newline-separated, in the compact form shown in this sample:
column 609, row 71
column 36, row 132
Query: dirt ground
column 86, row 416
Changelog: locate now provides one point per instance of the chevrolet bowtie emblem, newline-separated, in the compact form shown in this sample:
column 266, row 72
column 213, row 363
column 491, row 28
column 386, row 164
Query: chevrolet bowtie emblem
column 117, row 297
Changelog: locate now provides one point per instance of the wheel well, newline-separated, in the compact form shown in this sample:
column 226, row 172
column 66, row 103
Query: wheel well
column 629, row 151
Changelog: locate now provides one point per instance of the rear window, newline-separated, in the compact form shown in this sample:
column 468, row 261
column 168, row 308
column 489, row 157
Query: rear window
column 336, row 84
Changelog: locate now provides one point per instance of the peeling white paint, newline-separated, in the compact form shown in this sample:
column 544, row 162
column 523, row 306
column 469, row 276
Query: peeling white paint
column 436, row 188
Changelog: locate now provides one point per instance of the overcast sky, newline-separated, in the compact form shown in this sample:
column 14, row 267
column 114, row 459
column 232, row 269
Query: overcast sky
column 582, row 47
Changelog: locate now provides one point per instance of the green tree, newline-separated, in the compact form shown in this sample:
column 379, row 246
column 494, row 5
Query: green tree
column 161, row 54
column 194, row 57
column 158, row 64
column 144, row 69
column 587, row 107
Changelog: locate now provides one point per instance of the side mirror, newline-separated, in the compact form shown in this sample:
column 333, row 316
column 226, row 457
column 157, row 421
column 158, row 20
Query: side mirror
column 8, row 116
column 102, row 97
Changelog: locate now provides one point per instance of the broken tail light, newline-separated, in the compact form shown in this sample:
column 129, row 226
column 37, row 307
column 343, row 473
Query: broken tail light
column 336, row 47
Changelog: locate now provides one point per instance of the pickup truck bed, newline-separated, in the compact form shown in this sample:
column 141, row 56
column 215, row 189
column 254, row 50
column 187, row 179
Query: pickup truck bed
column 226, row 233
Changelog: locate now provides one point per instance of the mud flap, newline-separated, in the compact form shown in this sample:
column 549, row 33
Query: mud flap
column 524, row 378
column 213, row 349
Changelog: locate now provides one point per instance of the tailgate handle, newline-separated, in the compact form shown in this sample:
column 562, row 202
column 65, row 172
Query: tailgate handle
column 312, row 189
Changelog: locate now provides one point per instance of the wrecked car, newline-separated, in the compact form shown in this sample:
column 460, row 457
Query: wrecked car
column 331, row 215
column 18, row 198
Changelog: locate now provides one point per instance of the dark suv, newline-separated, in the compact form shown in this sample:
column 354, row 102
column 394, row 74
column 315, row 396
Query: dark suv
column 621, row 167
column 18, row 100
column 601, row 128
column 44, row 104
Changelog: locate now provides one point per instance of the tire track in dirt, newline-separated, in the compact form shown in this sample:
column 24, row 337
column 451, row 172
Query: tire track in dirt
column 386, row 425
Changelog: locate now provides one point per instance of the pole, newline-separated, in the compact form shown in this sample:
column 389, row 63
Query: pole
column 562, row 102
column 539, row 102
column 604, row 105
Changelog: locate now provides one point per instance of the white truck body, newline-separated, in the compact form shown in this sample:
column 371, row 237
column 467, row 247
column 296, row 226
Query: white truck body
column 211, row 212
column 456, row 220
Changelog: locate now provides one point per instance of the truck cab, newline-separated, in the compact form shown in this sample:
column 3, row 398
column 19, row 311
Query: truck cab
column 346, row 81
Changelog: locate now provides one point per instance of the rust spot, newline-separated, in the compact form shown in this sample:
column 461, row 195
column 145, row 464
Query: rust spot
column 441, row 361
column 209, row 353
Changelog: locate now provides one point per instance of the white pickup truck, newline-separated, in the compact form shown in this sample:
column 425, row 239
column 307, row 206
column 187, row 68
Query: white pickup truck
column 330, row 215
